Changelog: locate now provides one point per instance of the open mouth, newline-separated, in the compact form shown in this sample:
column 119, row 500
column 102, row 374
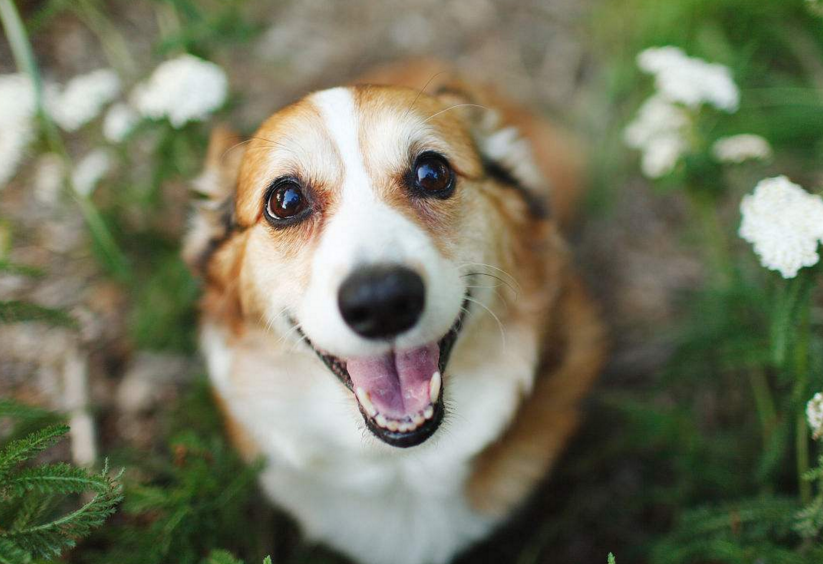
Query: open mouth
column 400, row 393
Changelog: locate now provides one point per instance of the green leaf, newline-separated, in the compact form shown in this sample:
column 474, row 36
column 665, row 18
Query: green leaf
column 19, row 411
column 59, row 478
column 23, row 449
column 222, row 557
column 49, row 539
column 16, row 311
column 20, row 269
column 611, row 559
column 13, row 554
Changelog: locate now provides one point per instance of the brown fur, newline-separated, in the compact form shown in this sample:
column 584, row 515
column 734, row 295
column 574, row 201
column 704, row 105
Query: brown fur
column 530, row 246
column 237, row 434
column 555, row 151
column 507, row 471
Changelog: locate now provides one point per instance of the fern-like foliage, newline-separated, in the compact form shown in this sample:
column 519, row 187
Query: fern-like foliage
column 760, row 529
column 34, row 520
column 225, row 557
column 195, row 497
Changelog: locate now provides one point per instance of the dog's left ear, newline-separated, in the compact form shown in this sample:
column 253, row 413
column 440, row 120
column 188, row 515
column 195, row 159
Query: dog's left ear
column 505, row 150
column 213, row 210
column 521, row 149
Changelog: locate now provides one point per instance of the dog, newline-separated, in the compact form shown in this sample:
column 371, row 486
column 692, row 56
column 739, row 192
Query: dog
column 390, row 315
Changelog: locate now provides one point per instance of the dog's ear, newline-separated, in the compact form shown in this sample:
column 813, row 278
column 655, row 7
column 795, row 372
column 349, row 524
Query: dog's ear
column 520, row 149
column 506, row 153
column 213, row 209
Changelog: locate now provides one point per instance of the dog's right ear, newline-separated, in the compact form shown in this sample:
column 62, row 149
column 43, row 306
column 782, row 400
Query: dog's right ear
column 213, row 211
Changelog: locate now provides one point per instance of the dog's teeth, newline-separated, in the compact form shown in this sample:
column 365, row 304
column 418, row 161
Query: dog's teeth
column 405, row 427
column 392, row 425
column 381, row 420
column 417, row 420
column 428, row 413
column 365, row 400
column 434, row 387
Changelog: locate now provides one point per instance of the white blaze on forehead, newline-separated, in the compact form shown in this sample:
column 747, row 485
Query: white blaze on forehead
column 339, row 111
column 362, row 230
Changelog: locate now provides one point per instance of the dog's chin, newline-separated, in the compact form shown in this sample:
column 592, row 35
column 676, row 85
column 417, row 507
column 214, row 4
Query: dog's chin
column 400, row 393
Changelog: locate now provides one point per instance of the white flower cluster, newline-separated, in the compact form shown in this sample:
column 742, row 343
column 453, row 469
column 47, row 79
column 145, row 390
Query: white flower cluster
column 183, row 89
column 17, row 126
column 688, row 80
column 814, row 415
column 739, row 148
column 91, row 169
column 119, row 122
column 659, row 132
column 784, row 223
column 661, row 129
column 83, row 98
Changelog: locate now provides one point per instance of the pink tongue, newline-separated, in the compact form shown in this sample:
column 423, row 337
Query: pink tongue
column 398, row 382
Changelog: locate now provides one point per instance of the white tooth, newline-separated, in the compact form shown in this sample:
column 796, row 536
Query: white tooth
column 392, row 425
column 405, row 427
column 434, row 387
column 417, row 419
column 428, row 413
column 381, row 420
column 365, row 400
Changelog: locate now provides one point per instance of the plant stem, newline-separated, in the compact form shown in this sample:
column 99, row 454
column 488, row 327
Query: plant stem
column 114, row 45
column 802, row 446
column 801, row 374
column 766, row 411
column 715, row 238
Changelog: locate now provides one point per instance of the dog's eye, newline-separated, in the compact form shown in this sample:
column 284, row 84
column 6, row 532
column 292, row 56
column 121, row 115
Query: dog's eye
column 286, row 201
column 433, row 175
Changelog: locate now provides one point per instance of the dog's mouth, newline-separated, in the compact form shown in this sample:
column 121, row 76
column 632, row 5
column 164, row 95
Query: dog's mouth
column 400, row 393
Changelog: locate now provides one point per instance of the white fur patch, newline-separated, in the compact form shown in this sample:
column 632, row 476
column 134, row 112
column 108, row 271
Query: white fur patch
column 365, row 231
column 371, row 501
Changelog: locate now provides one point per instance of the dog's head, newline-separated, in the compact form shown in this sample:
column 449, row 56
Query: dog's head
column 371, row 223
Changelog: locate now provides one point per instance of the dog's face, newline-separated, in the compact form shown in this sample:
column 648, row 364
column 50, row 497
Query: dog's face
column 367, row 215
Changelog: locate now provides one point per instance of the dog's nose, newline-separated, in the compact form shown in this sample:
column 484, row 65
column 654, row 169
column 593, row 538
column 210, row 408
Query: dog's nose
column 379, row 302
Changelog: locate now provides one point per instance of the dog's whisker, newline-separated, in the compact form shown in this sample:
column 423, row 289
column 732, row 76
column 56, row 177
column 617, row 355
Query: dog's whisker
column 420, row 93
column 233, row 147
column 289, row 334
column 501, row 280
column 434, row 115
column 497, row 319
column 498, row 269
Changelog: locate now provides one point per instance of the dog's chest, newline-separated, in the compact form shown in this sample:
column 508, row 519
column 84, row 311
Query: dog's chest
column 344, row 486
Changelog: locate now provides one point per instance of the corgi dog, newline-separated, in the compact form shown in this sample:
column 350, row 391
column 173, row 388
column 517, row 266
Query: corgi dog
column 390, row 317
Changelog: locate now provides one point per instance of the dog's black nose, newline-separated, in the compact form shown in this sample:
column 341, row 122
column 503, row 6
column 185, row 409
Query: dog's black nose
column 379, row 302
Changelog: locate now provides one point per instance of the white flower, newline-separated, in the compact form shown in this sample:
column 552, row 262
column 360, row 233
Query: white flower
column 183, row 89
column 784, row 223
column 49, row 174
column 119, row 122
column 814, row 415
column 83, row 98
column 739, row 148
column 17, row 126
column 688, row 80
column 659, row 131
column 660, row 157
column 90, row 171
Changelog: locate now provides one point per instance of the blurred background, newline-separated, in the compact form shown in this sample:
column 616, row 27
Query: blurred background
column 693, row 445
